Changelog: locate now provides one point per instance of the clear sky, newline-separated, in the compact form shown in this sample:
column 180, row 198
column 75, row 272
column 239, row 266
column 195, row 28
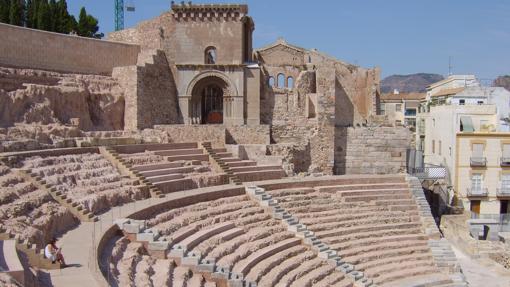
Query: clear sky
column 400, row 36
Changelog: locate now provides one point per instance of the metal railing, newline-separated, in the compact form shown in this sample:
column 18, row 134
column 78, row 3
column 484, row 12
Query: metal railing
column 479, row 192
column 502, row 218
column 429, row 172
column 478, row 161
column 504, row 161
column 503, row 191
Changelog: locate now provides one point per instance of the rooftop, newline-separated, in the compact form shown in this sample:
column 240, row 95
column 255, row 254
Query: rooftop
column 403, row 97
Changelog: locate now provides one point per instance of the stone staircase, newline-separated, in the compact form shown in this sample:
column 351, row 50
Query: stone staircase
column 75, row 208
column 220, row 163
column 323, row 251
column 127, row 169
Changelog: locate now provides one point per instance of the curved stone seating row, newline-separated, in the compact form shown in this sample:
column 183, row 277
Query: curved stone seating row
column 248, row 170
column 30, row 213
column 87, row 181
column 233, row 239
column 131, row 266
column 10, row 263
column 375, row 225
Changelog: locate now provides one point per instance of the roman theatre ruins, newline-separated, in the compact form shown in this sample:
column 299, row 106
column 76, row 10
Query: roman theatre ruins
column 175, row 154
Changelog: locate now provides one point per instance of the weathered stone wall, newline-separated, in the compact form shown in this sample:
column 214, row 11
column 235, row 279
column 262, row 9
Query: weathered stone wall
column 88, row 102
column 371, row 150
column 35, row 49
column 247, row 134
column 151, row 96
column 195, row 133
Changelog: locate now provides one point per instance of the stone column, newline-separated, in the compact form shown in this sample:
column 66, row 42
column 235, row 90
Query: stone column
column 185, row 106
column 236, row 116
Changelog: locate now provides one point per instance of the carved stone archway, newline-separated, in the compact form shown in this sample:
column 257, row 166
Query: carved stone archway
column 211, row 98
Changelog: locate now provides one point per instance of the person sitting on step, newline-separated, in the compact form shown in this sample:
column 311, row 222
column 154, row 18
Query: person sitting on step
column 52, row 252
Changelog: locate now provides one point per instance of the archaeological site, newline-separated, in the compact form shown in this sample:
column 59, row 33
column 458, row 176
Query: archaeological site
column 174, row 153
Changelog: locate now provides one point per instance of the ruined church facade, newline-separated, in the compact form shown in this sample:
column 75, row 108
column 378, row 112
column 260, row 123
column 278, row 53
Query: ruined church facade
column 208, row 73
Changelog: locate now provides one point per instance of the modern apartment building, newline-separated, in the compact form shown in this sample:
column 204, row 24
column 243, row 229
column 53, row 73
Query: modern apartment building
column 401, row 108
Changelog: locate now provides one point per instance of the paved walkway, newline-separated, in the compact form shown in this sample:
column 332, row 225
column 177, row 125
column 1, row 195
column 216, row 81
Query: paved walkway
column 482, row 272
column 77, row 245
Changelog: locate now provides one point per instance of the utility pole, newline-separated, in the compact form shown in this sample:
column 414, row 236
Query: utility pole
column 449, row 65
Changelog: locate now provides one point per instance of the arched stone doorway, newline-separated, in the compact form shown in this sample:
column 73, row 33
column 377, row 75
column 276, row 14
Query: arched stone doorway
column 211, row 99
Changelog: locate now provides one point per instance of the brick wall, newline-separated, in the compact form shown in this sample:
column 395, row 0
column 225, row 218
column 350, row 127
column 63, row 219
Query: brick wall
column 28, row 48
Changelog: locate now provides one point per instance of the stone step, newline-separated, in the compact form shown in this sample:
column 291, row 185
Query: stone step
column 160, row 178
column 149, row 167
column 175, row 152
column 201, row 157
column 241, row 163
column 167, row 171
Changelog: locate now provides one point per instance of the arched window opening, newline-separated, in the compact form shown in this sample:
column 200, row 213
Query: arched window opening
column 270, row 82
column 281, row 81
column 290, row 82
column 210, row 55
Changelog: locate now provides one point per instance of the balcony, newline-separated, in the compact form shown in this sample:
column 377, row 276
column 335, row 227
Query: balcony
column 504, row 191
column 478, row 161
column 480, row 192
column 504, row 161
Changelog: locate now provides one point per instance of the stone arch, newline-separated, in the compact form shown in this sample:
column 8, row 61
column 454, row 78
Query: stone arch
column 211, row 99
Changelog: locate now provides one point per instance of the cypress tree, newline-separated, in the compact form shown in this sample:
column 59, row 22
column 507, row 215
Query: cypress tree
column 43, row 16
column 53, row 16
column 5, row 8
column 16, row 13
column 30, row 14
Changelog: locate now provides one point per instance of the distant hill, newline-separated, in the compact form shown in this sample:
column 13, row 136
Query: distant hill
column 503, row 81
column 414, row 83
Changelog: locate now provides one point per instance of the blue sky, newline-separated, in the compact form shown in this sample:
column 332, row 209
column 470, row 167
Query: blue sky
column 400, row 36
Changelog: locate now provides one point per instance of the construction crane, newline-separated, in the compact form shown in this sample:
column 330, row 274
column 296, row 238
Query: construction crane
column 119, row 13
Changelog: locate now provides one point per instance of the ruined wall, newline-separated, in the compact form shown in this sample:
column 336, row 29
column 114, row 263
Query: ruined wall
column 88, row 102
column 35, row 49
column 247, row 134
column 371, row 150
column 194, row 133
column 151, row 96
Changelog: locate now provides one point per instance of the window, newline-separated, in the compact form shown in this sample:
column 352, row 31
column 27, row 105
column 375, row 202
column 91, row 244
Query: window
column 398, row 107
column 281, row 81
column 290, row 82
column 270, row 82
column 480, row 102
column 476, row 182
column 450, row 151
column 210, row 55
column 478, row 150
column 410, row 112
column 439, row 148
column 506, row 151
column 433, row 146
column 505, row 181
column 434, row 122
column 383, row 109
column 462, row 102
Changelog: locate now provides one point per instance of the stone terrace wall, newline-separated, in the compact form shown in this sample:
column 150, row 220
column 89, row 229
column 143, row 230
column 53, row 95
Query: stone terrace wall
column 371, row 150
column 247, row 134
column 194, row 133
column 28, row 48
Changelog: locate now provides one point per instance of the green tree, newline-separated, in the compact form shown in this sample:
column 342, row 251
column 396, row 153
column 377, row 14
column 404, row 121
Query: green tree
column 87, row 25
column 5, row 8
column 65, row 23
column 43, row 15
column 16, row 13
column 53, row 15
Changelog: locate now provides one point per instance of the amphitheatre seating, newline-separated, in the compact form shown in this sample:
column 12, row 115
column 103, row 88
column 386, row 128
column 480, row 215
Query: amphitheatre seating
column 235, row 235
column 9, row 261
column 171, row 167
column 88, row 180
column 374, row 225
column 28, row 212
column 248, row 170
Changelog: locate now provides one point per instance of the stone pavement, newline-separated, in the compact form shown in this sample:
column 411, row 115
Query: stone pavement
column 77, row 245
column 482, row 272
